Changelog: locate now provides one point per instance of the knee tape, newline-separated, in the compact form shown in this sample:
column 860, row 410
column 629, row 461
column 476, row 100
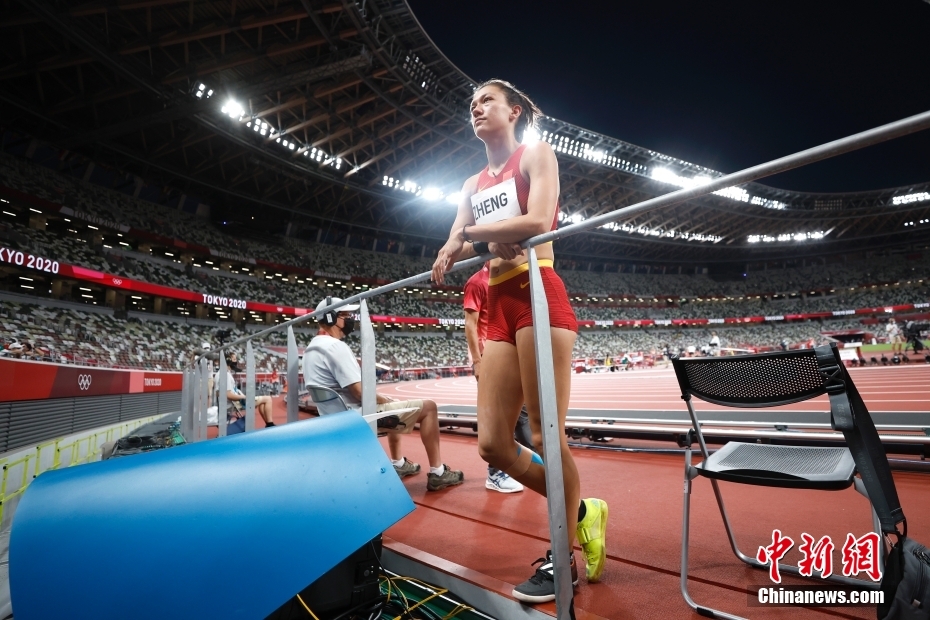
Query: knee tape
column 525, row 457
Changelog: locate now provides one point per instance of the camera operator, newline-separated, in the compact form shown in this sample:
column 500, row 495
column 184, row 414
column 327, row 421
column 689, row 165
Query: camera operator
column 912, row 331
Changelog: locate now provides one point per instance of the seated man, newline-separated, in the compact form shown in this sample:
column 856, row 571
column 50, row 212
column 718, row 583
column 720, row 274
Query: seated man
column 329, row 362
column 235, row 400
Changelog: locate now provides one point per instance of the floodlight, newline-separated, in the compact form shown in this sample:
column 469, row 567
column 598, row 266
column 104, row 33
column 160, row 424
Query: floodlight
column 665, row 175
column 530, row 136
column 233, row 108
column 432, row 193
column 909, row 198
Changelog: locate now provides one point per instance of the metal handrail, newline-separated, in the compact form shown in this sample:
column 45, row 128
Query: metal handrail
column 195, row 397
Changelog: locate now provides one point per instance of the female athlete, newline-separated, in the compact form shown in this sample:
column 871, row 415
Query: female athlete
column 516, row 196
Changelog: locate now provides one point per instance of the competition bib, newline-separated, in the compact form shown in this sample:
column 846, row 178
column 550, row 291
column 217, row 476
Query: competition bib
column 496, row 203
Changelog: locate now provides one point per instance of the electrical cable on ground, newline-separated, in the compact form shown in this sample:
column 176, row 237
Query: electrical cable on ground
column 309, row 611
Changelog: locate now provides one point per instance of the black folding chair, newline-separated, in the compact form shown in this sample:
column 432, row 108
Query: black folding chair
column 320, row 395
column 770, row 380
column 380, row 422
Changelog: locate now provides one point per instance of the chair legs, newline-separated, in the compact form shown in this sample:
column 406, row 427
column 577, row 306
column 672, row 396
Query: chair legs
column 690, row 474
column 792, row 568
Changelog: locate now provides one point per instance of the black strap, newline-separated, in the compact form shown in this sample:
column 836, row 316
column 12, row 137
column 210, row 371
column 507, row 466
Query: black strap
column 841, row 413
column 850, row 415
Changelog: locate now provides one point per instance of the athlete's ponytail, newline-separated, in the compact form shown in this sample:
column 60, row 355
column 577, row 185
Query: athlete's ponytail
column 515, row 96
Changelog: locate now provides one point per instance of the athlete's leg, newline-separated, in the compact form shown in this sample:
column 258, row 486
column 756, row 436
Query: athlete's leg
column 522, row 432
column 535, row 477
column 499, row 400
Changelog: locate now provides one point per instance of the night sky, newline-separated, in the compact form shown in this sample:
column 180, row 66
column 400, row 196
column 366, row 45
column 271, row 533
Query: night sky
column 722, row 84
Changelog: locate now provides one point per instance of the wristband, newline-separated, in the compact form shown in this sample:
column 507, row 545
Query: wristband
column 481, row 247
column 465, row 234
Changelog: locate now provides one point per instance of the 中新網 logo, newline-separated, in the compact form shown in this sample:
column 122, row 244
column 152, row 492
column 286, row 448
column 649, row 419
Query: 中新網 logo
column 859, row 555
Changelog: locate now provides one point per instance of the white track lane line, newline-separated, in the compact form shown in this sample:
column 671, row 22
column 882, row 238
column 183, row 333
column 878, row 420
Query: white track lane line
column 664, row 391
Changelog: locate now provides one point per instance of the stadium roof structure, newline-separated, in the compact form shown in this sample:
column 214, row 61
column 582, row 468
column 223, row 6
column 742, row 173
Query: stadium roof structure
column 346, row 112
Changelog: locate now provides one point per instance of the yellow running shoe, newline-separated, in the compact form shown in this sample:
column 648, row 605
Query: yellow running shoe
column 592, row 534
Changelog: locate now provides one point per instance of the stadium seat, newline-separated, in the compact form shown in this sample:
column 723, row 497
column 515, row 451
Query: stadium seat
column 771, row 380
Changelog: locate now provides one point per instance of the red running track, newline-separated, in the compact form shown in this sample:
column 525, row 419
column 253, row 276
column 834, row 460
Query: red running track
column 884, row 388
column 497, row 536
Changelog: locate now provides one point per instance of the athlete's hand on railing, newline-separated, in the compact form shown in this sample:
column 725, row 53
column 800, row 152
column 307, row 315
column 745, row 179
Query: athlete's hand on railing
column 447, row 257
column 507, row 251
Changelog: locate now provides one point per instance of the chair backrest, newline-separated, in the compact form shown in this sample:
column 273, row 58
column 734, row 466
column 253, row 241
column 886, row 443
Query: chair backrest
column 783, row 377
column 328, row 397
column 760, row 380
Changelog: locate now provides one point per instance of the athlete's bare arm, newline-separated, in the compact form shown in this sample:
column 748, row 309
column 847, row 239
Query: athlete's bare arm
column 540, row 167
column 455, row 248
column 471, row 337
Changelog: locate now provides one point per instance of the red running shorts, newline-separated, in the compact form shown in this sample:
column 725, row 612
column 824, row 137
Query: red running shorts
column 510, row 308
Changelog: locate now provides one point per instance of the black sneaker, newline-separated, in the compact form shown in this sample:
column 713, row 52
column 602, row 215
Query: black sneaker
column 540, row 588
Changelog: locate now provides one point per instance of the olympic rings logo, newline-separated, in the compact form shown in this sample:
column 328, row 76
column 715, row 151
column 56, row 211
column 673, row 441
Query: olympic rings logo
column 84, row 382
column 117, row 281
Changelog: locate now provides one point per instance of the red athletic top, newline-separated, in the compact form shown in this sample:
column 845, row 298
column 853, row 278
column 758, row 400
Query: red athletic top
column 476, row 298
column 512, row 170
